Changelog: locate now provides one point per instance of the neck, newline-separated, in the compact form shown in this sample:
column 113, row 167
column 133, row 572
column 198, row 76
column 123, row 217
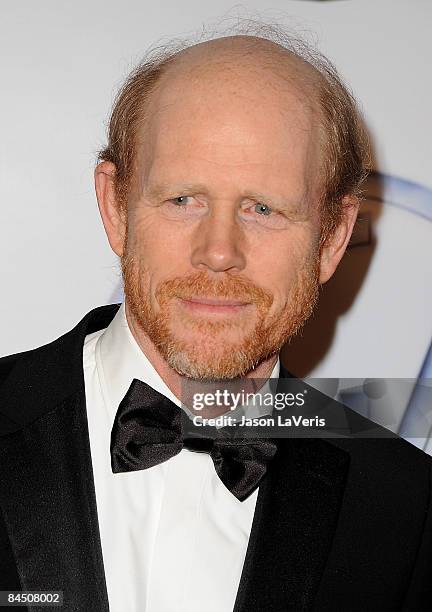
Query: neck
column 173, row 379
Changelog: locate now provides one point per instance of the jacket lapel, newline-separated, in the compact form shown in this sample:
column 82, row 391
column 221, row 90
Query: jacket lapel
column 293, row 527
column 46, row 487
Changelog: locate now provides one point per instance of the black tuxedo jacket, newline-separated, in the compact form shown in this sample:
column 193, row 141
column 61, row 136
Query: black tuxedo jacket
column 339, row 525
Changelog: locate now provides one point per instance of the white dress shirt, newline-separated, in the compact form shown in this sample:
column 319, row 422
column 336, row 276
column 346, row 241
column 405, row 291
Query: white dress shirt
column 173, row 537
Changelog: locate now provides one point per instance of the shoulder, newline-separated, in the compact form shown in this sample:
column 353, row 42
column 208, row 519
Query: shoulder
column 389, row 458
column 20, row 375
column 37, row 381
column 7, row 364
column 384, row 472
column 383, row 458
column 376, row 454
column 94, row 321
column 389, row 480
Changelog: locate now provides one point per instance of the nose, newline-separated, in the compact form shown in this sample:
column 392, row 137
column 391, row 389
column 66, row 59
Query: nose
column 217, row 243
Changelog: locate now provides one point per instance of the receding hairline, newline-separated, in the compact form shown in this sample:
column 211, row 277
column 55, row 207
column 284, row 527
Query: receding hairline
column 249, row 57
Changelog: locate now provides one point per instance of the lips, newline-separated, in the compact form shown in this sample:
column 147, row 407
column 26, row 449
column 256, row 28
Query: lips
column 216, row 302
column 215, row 305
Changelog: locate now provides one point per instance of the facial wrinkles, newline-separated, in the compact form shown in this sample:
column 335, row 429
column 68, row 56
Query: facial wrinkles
column 227, row 184
column 229, row 347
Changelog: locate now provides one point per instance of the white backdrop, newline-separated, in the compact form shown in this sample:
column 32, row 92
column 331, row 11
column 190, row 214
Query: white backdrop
column 61, row 64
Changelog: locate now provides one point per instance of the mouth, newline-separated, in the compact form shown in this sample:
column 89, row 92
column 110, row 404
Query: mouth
column 214, row 305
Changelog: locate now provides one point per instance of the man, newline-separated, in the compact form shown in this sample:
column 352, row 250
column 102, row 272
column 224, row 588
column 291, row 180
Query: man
column 229, row 189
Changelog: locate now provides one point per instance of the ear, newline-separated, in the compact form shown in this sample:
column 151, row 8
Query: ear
column 335, row 245
column 112, row 217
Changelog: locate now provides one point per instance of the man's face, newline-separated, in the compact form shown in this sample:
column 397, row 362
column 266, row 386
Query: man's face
column 221, row 258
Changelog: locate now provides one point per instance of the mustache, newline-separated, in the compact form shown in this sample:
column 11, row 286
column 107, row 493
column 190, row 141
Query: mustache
column 199, row 285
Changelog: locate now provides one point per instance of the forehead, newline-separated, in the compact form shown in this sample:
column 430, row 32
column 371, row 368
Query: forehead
column 228, row 111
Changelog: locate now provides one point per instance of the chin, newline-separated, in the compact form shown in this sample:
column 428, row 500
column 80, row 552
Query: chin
column 198, row 367
column 225, row 355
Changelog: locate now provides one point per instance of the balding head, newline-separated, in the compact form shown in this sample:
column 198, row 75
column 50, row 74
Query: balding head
column 281, row 66
column 242, row 52
column 241, row 65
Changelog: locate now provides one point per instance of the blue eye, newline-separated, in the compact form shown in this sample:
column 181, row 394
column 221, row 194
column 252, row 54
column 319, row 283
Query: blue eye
column 180, row 199
column 262, row 208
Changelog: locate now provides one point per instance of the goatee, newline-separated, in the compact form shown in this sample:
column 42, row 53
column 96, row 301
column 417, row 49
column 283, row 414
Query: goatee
column 217, row 349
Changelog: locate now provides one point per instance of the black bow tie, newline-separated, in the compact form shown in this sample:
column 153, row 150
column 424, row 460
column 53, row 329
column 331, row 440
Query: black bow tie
column 149, row 429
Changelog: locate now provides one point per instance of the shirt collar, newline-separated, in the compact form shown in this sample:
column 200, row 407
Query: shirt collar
column 119, row 359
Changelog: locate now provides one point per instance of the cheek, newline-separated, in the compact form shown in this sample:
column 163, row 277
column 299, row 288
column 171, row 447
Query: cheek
column 159, row 252
column 145, row 230
column 160, row 244
column 286, row 259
